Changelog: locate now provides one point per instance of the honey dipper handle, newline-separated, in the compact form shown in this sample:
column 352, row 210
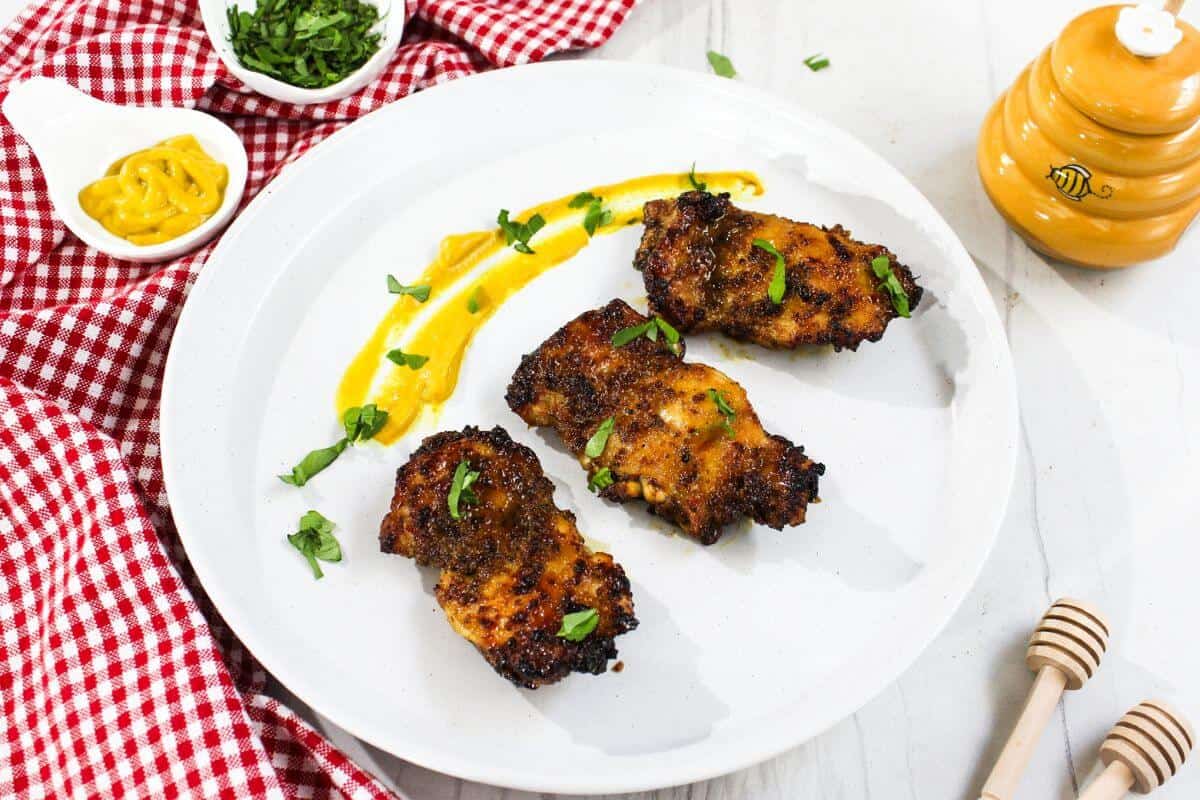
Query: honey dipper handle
column 1113, row 783
column 1047, row 688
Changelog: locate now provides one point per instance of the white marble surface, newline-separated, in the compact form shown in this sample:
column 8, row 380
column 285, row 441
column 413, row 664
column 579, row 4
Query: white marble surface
column 1106, row 503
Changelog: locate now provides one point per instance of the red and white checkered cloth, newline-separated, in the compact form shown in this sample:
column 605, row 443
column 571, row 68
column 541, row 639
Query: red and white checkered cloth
column 117, row 678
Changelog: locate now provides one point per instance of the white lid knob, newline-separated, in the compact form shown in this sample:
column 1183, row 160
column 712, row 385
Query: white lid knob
column 1147, row 31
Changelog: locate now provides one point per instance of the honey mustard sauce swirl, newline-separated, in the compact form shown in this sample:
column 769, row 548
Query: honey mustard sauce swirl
column 157, row 194
column 479, row 266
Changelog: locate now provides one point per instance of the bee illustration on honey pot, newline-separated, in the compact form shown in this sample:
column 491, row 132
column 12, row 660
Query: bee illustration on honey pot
column 1074, row 182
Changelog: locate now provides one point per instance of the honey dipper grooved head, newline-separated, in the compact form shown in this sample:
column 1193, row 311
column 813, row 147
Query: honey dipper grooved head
column 1152, row 740
column 1071, row 637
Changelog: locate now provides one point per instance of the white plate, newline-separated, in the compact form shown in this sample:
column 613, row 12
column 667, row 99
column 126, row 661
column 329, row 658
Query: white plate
column 745, row 648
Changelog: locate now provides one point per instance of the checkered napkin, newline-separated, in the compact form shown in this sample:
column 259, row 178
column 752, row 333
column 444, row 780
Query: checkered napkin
column 117, row 677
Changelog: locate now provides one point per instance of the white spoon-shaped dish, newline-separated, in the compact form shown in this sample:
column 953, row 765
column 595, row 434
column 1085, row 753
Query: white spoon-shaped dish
column 77, row 137
column 216, row 23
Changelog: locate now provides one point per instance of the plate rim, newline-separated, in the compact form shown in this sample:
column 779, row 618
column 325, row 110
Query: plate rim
column 644, row 779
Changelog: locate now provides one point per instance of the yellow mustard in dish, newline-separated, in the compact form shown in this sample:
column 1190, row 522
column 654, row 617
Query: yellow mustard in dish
column 159, row 193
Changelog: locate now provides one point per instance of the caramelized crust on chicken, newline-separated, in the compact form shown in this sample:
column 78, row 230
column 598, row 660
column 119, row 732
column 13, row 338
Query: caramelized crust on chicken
column 669, row 443
column 513, row 564
column 703, row 272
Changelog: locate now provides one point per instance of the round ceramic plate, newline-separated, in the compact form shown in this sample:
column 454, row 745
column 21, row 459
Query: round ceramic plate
column 745, row 648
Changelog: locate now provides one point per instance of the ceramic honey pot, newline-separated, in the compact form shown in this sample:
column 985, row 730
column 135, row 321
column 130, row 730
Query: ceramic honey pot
column 1093, row 154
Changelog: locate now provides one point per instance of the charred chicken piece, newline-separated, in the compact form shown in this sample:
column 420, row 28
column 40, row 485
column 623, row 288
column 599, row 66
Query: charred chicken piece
column 512, row 563
column 703, row 272
column 684, row 437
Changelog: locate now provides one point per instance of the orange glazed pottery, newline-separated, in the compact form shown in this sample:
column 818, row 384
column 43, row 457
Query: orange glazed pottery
column 1093, row 154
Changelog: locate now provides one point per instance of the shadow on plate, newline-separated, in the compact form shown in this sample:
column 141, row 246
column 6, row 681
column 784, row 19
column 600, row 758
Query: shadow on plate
column 605, row 715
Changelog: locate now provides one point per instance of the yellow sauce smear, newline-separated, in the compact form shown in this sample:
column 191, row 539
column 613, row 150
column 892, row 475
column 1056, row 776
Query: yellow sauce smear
column 156, row 194
column 480, row 265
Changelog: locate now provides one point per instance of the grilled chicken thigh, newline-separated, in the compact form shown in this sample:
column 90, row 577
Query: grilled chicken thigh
column 703, row 272
column 512, row 564
column 683, row 436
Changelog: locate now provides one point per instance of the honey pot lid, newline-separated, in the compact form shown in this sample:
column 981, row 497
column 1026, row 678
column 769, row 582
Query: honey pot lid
column 1104, row 79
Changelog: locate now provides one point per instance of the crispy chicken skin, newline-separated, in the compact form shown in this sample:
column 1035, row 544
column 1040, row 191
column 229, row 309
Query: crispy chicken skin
column 668, row 444
column 702, row 272
column 514, row 563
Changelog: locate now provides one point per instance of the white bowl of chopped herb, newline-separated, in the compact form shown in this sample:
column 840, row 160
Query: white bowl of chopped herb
column 304, row 51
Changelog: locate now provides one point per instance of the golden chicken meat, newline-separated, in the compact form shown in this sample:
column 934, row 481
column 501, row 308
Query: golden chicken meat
column 517, row 579
column 646, row 424
column 708, row 265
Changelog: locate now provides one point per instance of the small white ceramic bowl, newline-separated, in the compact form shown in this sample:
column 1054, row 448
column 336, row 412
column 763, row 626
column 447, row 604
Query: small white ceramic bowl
column 77, row 137
column 216, row 23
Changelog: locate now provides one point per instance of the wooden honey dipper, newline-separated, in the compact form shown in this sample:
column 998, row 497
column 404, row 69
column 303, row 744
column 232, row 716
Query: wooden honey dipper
column 1064, row 650
column 1142, row 751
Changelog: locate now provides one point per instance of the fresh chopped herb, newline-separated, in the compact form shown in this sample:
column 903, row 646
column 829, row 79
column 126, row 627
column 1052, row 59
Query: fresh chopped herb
column 307, row 43
column 313, row 463
column 418, row 292
column 518, row 234
column 315, row 540
column 699, row 186
column 475, row 301
column 779, row 279
column 582, row 199
column 601, row 480
column 403, row 359
column 669, row 333
column 577, row 625
column 649, row 329
column 363, row 422
column 460, row 488
column 816, row 62
column 595, row 445
column 596, row 216
column 627, row 335
column 721, row 64
column 883, row 269
column 360, row 423
column 727, row 412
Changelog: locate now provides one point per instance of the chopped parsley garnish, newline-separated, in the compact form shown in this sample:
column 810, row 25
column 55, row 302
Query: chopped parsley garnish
column 460, row 489
column 595, row 445
column 727, row 412
column 315, row 540
column 363, row 422
column 313, row 463
column 816, row 62
column 475, row 301
column 699, row 186
column 649, row 329
column 307, row 43
column 601, row 480
column 669, row 333
column 779, row 279
column 518, row 234
column 418, row 292
column 596, row 215
column 721, row 64
column 582, row 199
column 577, row 625
column 883, row 269
column 360, row 422
column 403, row 359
